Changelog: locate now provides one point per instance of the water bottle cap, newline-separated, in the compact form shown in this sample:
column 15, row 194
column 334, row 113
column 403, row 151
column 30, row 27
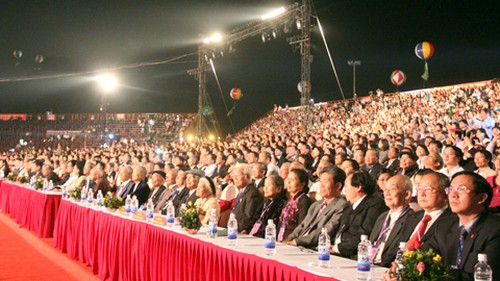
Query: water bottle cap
column 364, row 237
column 232, row 215
column 270, row 222
column 402, row 245
column 482, row 257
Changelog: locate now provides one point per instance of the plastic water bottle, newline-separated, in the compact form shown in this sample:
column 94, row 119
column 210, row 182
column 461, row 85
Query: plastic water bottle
column 90, row 196
column 212, row 223
column 83, row 195
column 135, row 205
column 45, row 185
column 270, row 246
column 150, row 206
column 482, row 271
column 170, row 214
column 128, row 204
column 399, row 258
column 99, row 198
column 64, row 192
column 324, row 248
column 232, row 230
column 364, row 252
column 51, row 185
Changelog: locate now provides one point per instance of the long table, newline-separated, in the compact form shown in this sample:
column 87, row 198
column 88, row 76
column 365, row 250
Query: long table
column 32, row 209
column 120, row 248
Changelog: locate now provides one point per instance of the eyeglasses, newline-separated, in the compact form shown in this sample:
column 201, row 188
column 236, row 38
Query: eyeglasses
column 458, row 188
column 425, row 188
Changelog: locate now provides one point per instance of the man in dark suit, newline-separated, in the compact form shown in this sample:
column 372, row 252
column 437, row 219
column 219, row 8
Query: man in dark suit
column 386, row 233
column 157, row 181
column 126, row 183
column 48, row 173
column 359, row 218
column 249, row 201
column 475, row 231
column 141, row 188
column 259, row 171
column 192, row 179
column 323, row 213
column 431, row 196
column 372, row 165
column 177, row 193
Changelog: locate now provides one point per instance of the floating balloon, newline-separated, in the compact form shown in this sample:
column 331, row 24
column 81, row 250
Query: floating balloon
column 207, row 110
column 398, row 77
column 304, row 85
column 17, row 54
column 235, row 94
column 424, row 50
column 39, row 59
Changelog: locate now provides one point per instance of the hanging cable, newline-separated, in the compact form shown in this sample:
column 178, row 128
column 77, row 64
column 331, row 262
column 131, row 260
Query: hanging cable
column 328, row 52
column 221, row 94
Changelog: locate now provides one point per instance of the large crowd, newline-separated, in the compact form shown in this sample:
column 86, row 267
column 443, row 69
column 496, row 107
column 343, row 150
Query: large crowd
column 418, row 167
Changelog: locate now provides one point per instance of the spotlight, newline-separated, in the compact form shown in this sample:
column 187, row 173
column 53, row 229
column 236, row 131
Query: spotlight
column 264, row 37
column 275, row 34
column 286, row 28
column 299, row 24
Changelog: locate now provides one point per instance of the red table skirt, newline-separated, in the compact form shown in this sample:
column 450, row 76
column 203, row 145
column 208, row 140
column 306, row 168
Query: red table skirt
column 31, row 209
column 117, row 248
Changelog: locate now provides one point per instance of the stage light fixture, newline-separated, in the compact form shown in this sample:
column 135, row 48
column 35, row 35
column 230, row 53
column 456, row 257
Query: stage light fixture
column 216, row 37
column 299, row 24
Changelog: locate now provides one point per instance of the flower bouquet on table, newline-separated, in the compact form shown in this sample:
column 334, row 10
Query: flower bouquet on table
column 22, row 179
column 11, row 177
column 112, row 202
column 190, row 218
column 38, row 184
column 423, row 265
column 75, row 192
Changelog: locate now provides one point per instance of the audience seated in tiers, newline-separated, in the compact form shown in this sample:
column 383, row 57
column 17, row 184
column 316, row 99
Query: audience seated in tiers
column 446, row 129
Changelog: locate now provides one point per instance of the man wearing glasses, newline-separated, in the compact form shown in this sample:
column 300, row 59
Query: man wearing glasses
column 475, row 231
column 431, row 196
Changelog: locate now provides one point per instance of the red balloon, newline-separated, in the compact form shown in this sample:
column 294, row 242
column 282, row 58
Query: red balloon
column 398, row 77
column 235, row 94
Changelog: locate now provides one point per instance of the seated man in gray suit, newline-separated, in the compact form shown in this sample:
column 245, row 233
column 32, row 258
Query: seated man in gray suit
column 386, row 233
column 323, row 213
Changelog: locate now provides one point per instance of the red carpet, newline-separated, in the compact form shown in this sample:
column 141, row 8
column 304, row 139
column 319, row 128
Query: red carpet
column 23, row 256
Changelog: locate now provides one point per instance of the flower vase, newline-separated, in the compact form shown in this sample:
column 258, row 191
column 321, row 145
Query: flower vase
column 192, row 231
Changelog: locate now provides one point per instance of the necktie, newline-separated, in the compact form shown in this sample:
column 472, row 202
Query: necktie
column 237, row 201
column 416, row 240
column 384, row 230
column 461, row 239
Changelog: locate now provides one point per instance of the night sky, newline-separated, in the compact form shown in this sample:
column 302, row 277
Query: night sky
column 88, row 36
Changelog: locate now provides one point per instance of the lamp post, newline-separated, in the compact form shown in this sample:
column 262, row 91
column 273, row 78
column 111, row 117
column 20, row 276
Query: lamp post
column 354, row 63
column 107, row 83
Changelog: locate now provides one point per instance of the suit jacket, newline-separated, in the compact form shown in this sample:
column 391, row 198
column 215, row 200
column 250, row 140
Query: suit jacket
column 221, row 171
column 249, row 207
column 360, row 221
column 156, row 195
column 315, row 221
column 53, row 177
column 394, row 165
column 188, row 198
column 141, row 191
column 484, row 237
column 413, row 220
column 127, row 189
column 391, row 246
column 177, row 199
column 373, row 171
